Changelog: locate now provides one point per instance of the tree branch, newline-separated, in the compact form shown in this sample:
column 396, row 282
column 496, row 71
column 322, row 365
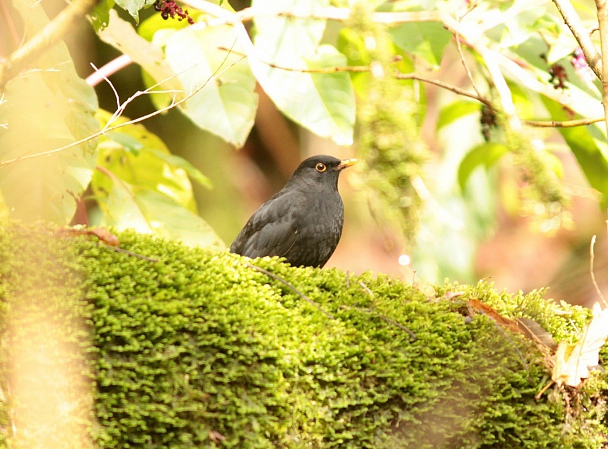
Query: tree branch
column 65, row 22
column 563, row 124
column 602, row 16
column 582, row 36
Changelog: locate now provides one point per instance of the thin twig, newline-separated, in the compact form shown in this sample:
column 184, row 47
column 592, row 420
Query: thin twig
column 455, row 89
column 563, row 124
column 366, row 289
column 542, row 391
column 464, row 63
column 106, row 129
column 102, row 76
column 592, row 271
column 326, row 70
column 131, row 253
column 291, row 287
column 108, row 69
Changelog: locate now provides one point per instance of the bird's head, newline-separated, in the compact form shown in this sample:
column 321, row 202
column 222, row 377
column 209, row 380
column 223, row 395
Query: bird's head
column 320, row 170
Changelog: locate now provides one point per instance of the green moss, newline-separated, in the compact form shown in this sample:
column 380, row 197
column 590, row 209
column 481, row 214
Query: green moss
column 198, row 349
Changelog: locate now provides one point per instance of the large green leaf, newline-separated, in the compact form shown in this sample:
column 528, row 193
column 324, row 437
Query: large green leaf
column 138, row 157
column 150, row 212
column 45, row 108
column 209, row 61
column 121, row 35
column 287, row 39
column 455, row 111
column 486, row 154
column 427, row 40
column 287, row 48
column 141, row 185
column 588, row 145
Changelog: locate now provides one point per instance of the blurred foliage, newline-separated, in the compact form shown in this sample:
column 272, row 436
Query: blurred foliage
column 192, row 347
column 361, row 81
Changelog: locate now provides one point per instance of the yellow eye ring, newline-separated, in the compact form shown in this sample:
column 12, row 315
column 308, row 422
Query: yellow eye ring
column 320, row 167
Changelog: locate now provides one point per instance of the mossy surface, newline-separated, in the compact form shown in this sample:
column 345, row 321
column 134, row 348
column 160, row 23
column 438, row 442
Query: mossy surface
column 199, row 349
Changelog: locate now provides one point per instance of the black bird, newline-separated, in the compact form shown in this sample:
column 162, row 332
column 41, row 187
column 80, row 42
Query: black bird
column 302, row 222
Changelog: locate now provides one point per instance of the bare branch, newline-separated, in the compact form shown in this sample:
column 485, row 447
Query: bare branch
column 119, row 112
column 65, row 22
column 602, row 16
column 108, row 69
column 581, row 34
column 455, row 89
column 563, row 124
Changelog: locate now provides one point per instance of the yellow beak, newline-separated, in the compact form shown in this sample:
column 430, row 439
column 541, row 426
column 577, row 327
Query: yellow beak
column 346, row 163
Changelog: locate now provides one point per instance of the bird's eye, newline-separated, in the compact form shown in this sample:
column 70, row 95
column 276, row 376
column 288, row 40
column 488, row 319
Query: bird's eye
column 320, row 167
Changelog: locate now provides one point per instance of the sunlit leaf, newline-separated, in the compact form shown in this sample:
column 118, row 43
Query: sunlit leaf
column 289, row 47
column 121, row 35
column 136, row 156
column 209, row 61
column 139, row 184
column 133, row 6
column 588, row 146
column 100, row 16
column 287, row 39
column 455, row 111
column 150, row 212
column 486, row 154
column 427, row 40
column 573, row 362
column 46, row 108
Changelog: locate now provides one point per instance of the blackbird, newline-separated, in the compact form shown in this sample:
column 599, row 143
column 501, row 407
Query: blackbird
column 302, row 222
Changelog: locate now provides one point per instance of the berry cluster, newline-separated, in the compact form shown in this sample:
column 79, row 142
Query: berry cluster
column 488, row 121
column 168, row 8
column 558, row 76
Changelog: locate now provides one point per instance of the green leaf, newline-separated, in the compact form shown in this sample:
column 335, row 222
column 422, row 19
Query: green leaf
column 283, row 38
column 455, row 111
column 486, row 154
column 588, row 145
column 141, row 185
column 121, row 35
column 520, row 26
column 44, row 109
column 182, row 163
column 209, row 62
column 134, row 6
column 287, row 47
column 138, row 157
column 427, row 40
column 100, row 16
column 131, row 207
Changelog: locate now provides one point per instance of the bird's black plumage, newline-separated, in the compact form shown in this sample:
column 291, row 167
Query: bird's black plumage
column 302, row 222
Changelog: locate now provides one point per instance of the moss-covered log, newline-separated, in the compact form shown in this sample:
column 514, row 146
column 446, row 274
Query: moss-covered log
column 191, row 348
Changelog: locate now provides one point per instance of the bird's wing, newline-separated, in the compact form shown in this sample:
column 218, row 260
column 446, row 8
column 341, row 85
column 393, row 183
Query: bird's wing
column 273, row 229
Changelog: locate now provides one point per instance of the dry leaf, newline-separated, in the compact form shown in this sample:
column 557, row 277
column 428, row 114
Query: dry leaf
column 485, row 309
column 572, row 361
column 102, row 234
column 535, row 332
